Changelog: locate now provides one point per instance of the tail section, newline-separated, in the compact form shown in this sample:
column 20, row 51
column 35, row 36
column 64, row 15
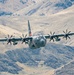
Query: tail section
column 29, row 29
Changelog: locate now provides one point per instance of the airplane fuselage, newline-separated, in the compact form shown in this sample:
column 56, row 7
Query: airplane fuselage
column 37, row 42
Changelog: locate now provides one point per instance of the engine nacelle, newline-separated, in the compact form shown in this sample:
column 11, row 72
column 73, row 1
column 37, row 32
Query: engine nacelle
column 15, row 43
column 57, row 39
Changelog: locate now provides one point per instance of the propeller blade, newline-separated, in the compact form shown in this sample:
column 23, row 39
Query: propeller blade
column 9, row 41
column 63, row 31
column 20, row 37
column 23, row 40
column 66, row 38
column 50, row 39
column 66, row 34
column 53, row 33
column 11, row 35
column 69, row 37
column 8, row 36
column 66, row 30
column 23, row 35
column 69, row 32
column 53, row 40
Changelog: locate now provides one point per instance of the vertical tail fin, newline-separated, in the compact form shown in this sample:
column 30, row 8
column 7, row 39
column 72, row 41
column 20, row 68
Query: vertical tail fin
column 29, row 28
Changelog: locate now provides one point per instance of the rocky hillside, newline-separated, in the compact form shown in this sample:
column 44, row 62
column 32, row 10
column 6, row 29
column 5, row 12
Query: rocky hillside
column 30, row 7
column 52, row 56
column 68, row 69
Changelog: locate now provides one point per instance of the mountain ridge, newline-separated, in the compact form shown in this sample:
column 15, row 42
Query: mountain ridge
column 22, row 60
column 8, row 7
column 49, row 56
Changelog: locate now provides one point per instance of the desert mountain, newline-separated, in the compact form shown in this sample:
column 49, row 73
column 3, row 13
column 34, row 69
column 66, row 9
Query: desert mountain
column 45, row 16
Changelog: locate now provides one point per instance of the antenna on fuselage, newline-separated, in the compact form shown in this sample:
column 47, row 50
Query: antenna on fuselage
column 29, row 29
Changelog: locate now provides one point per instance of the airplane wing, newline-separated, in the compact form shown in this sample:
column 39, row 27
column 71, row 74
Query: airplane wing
column 3, row 39
column 52, row 37
column 9, row 40
column 59, row 35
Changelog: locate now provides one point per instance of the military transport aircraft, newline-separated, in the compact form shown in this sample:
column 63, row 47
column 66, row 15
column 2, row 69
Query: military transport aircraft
column 36, row 41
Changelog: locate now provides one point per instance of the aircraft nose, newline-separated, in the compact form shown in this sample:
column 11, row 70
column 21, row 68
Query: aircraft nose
column 42, row 41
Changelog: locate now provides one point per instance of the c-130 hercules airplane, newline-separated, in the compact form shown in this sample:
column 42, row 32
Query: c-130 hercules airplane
column 36, row 41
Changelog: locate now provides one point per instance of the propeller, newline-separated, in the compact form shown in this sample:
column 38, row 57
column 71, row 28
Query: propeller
column 9, row 41
column 23, row 38
column 66, row 34
column 51, row 36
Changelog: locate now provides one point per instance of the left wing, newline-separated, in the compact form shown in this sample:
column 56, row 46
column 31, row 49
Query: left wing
column 57, row 37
